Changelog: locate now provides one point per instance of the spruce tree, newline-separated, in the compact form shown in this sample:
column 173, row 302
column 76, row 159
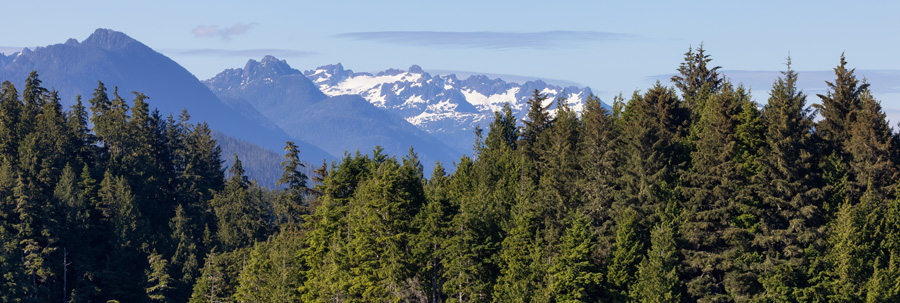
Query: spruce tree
column 82, row 139
column 532, row 139
column 519, row 280
column 431, row 222
column 657, row 276
column 838, row 106
column 239, row 211
column 627, row 251
column 869, row 148
column 653, row 151
column 718, row 215
column 467, row 276
column 327, row 230
column 10, row 114
column 158, row 279
column 697, row 80
column 600, row 169
column 291, row 205
column 789, row 222
column 575, row 277
column 33, row 97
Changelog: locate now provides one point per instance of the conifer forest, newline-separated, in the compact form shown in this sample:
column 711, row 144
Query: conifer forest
column 692, row 190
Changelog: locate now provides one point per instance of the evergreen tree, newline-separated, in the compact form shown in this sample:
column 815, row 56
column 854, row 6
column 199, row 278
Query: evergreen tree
column 788, row 221
column 82, row 139
column 240, row 213
column 10, row 114
column 467, row 275
column 325, row 253
column 750, row 136
column 158, row 279
column 626, row 255
column 379, row 226
column 869, row 149
column 715, row 197
column 428, row 243
column 32, row 98
column 696, row 80
column 558, row 194
column 503, row 130
column 213, row 284
column 272, row 272
column 291, row 206
column 600, row 173
column 519, row 280
column 838, row 106
column 657, row 277
column 574, row 277
column 653, row 151
column 185, row 256
column 532, row 140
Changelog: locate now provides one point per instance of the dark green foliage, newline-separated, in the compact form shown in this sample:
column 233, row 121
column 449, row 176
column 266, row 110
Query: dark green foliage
column 696, row 80
column 653, row 151
column 432, row 222
column 600, row 175
column 698, row 198
column 657, row 276
column 158, row 279
column 838, row 106
column 789, row 216
column 714, row 199
column 575, row 277
column 240, row 211
column 626, row 254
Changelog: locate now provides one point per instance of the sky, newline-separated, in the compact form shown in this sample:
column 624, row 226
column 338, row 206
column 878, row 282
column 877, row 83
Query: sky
column 613, row 47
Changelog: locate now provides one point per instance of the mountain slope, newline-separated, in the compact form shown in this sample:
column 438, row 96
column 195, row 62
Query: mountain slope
column 74, row 68
column 338, row 124
column 442, row 105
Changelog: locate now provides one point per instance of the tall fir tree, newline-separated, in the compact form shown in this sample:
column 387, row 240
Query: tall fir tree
column 657, row 276
column 789, row 221
column 600, row 169
column 713, row 190
column 626, row 254
column 654, row 151
column 697, row 80
column 290, row 202
column 838, row 106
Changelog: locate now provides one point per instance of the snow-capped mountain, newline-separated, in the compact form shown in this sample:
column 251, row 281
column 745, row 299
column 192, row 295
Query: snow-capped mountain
column 271, row 90
column 442, row 105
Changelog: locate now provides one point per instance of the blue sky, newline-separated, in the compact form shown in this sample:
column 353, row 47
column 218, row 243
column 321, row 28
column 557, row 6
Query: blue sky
column 610, row 46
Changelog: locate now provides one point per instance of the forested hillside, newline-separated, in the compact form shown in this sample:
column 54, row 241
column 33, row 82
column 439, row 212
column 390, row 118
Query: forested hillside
column 684, row 193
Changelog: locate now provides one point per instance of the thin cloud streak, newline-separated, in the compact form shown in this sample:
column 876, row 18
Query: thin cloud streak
column 210, row 31
column 240, row 52
column 486, row 40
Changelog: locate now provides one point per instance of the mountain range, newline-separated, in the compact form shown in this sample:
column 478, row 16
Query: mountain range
column 270, row 89
column 124, row 64
column 327, row 111
column 442, row 105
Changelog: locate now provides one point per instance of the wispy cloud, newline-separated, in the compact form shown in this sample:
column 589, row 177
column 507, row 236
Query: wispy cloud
column 244, row 53
column 487, row 40
column 224, row 33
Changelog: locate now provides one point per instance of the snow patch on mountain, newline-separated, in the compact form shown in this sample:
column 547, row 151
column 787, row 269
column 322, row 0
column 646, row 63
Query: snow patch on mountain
column 443, row 105
column 493, row 102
